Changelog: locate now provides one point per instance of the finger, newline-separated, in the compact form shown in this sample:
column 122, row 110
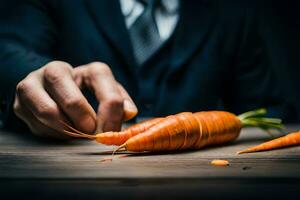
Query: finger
column 31, row 93
column 35, row 126
column 130, row 109
column 63, row 89
column 110, row 112
column 26, row 116
column 77, row 76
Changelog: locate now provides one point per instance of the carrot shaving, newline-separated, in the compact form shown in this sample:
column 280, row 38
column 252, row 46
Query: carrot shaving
column 221, row 163
column 123, row 156
column 106, row 159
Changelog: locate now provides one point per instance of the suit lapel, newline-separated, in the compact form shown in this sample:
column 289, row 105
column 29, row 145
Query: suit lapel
column 108, row 15
column 196, row 21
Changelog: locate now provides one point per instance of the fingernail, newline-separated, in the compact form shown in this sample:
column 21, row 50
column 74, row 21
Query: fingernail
column 130, row 110
column 128, row 105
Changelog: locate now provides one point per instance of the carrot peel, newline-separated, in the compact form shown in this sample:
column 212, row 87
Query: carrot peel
column 221, row 163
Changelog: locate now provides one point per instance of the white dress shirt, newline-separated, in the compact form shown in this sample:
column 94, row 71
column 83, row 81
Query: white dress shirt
column 166, row 18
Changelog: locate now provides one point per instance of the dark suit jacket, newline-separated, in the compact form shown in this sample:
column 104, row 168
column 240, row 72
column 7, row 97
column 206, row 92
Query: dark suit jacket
column 214, row 60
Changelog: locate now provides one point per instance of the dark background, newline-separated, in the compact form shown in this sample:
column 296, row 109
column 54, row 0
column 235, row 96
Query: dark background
column 280, row 30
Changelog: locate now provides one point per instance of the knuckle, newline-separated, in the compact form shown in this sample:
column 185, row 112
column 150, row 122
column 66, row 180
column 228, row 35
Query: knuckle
column 73, row 102
column 24, row 85
column 46, row 111
column 97, row 68
column 114, row 102
column 56, row 70
column 60, row 64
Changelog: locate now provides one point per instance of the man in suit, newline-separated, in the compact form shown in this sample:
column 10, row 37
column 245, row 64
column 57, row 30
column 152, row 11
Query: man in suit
column 159, row 57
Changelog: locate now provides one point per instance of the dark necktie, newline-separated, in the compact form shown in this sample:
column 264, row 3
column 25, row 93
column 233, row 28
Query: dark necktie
column 144, row 33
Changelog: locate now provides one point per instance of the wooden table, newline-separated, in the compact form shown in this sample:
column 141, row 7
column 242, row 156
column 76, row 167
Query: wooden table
column 48, row 170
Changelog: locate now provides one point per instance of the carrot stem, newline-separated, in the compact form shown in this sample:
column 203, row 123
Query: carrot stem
column 253, row 113
column 256, row 118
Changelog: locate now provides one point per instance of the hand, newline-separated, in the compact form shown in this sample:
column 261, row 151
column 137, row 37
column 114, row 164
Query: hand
column 115, row 104
column 52, row 94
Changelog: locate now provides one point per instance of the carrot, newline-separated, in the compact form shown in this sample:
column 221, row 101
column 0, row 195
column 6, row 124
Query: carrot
column 114, row 138
column 197, row 130
column 186, row 131
column 291, row 139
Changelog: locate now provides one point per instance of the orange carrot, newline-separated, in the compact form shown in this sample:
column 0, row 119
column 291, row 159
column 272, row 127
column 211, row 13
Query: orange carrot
column 114, row 138
column 197, row 130
column 291, row 139
column 185, row 131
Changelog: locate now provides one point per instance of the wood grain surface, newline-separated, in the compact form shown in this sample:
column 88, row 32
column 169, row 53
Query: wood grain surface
column 27, row 161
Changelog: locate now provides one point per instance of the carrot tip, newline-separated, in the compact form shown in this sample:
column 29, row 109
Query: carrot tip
column 73, row 134
column 120, row 149
column 243, row 152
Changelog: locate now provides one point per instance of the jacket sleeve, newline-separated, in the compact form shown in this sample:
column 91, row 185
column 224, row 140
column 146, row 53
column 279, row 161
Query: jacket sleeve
column 27, row 38
column 254, row 84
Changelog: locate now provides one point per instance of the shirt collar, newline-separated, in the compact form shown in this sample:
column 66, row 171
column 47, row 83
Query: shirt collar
column 127, row 6
column 171, row 6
